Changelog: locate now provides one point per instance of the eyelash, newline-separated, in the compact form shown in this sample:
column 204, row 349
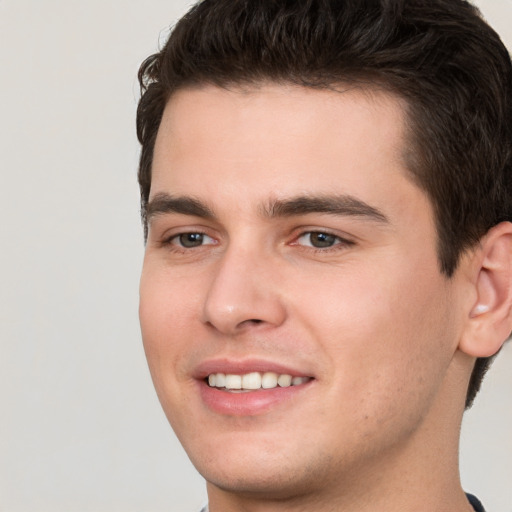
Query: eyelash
column 339, row 243
column 179, row 247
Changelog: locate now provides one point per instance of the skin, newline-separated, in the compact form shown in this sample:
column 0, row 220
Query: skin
column 370, row 318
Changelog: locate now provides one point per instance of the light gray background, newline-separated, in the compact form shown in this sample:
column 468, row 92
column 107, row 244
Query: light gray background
column 80, row 425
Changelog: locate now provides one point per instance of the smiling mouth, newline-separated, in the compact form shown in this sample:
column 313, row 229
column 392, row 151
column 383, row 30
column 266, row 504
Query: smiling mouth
column 253, row 381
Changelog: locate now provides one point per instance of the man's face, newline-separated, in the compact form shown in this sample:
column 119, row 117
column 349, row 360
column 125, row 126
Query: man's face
column 286, row 239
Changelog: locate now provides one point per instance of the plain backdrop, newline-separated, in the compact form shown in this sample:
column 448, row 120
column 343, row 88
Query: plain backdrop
column 80, row 426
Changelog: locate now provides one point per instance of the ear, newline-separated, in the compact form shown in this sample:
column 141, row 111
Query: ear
column 490, row 319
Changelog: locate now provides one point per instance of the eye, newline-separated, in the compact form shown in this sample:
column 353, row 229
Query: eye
column 319, row 240
column 191, row 240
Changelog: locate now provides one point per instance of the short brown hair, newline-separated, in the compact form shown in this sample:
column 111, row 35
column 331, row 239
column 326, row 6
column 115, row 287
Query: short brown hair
column 439, row 55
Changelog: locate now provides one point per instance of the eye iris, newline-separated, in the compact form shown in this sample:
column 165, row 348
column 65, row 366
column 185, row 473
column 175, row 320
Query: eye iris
column 322, row 240
column 191, row 239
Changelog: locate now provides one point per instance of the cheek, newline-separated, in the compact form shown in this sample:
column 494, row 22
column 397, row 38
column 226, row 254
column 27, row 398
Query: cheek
column 164, row 320
column 388, row 337
column 167, row 301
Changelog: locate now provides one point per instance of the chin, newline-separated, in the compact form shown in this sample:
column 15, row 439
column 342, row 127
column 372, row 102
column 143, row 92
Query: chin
column 276, row 469
column 256, row 480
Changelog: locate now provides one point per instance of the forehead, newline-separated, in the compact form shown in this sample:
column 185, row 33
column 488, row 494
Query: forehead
column 279, row 140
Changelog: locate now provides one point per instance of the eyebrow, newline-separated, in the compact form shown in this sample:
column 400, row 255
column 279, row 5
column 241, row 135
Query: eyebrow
column 164, row 203
column 339, row 204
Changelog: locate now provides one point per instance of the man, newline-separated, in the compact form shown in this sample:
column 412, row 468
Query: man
column 328, row 273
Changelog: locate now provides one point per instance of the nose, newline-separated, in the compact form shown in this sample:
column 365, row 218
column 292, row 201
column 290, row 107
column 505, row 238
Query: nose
column 244, row 293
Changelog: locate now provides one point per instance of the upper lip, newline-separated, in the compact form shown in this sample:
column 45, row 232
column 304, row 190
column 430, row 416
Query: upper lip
column 241, row 367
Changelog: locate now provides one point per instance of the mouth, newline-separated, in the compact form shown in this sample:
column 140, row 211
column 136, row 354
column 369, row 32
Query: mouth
column 250, row 388
column 253, row 381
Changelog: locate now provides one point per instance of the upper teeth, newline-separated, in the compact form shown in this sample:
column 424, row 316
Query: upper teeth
column 254, row 380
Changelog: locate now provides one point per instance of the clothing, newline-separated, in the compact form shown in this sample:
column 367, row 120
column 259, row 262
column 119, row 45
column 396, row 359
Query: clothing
column 475, row 502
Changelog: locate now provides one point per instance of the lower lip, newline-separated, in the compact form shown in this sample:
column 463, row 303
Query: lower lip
column 248, row 403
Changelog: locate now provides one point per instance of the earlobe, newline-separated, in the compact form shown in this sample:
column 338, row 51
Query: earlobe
column 490, row 319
